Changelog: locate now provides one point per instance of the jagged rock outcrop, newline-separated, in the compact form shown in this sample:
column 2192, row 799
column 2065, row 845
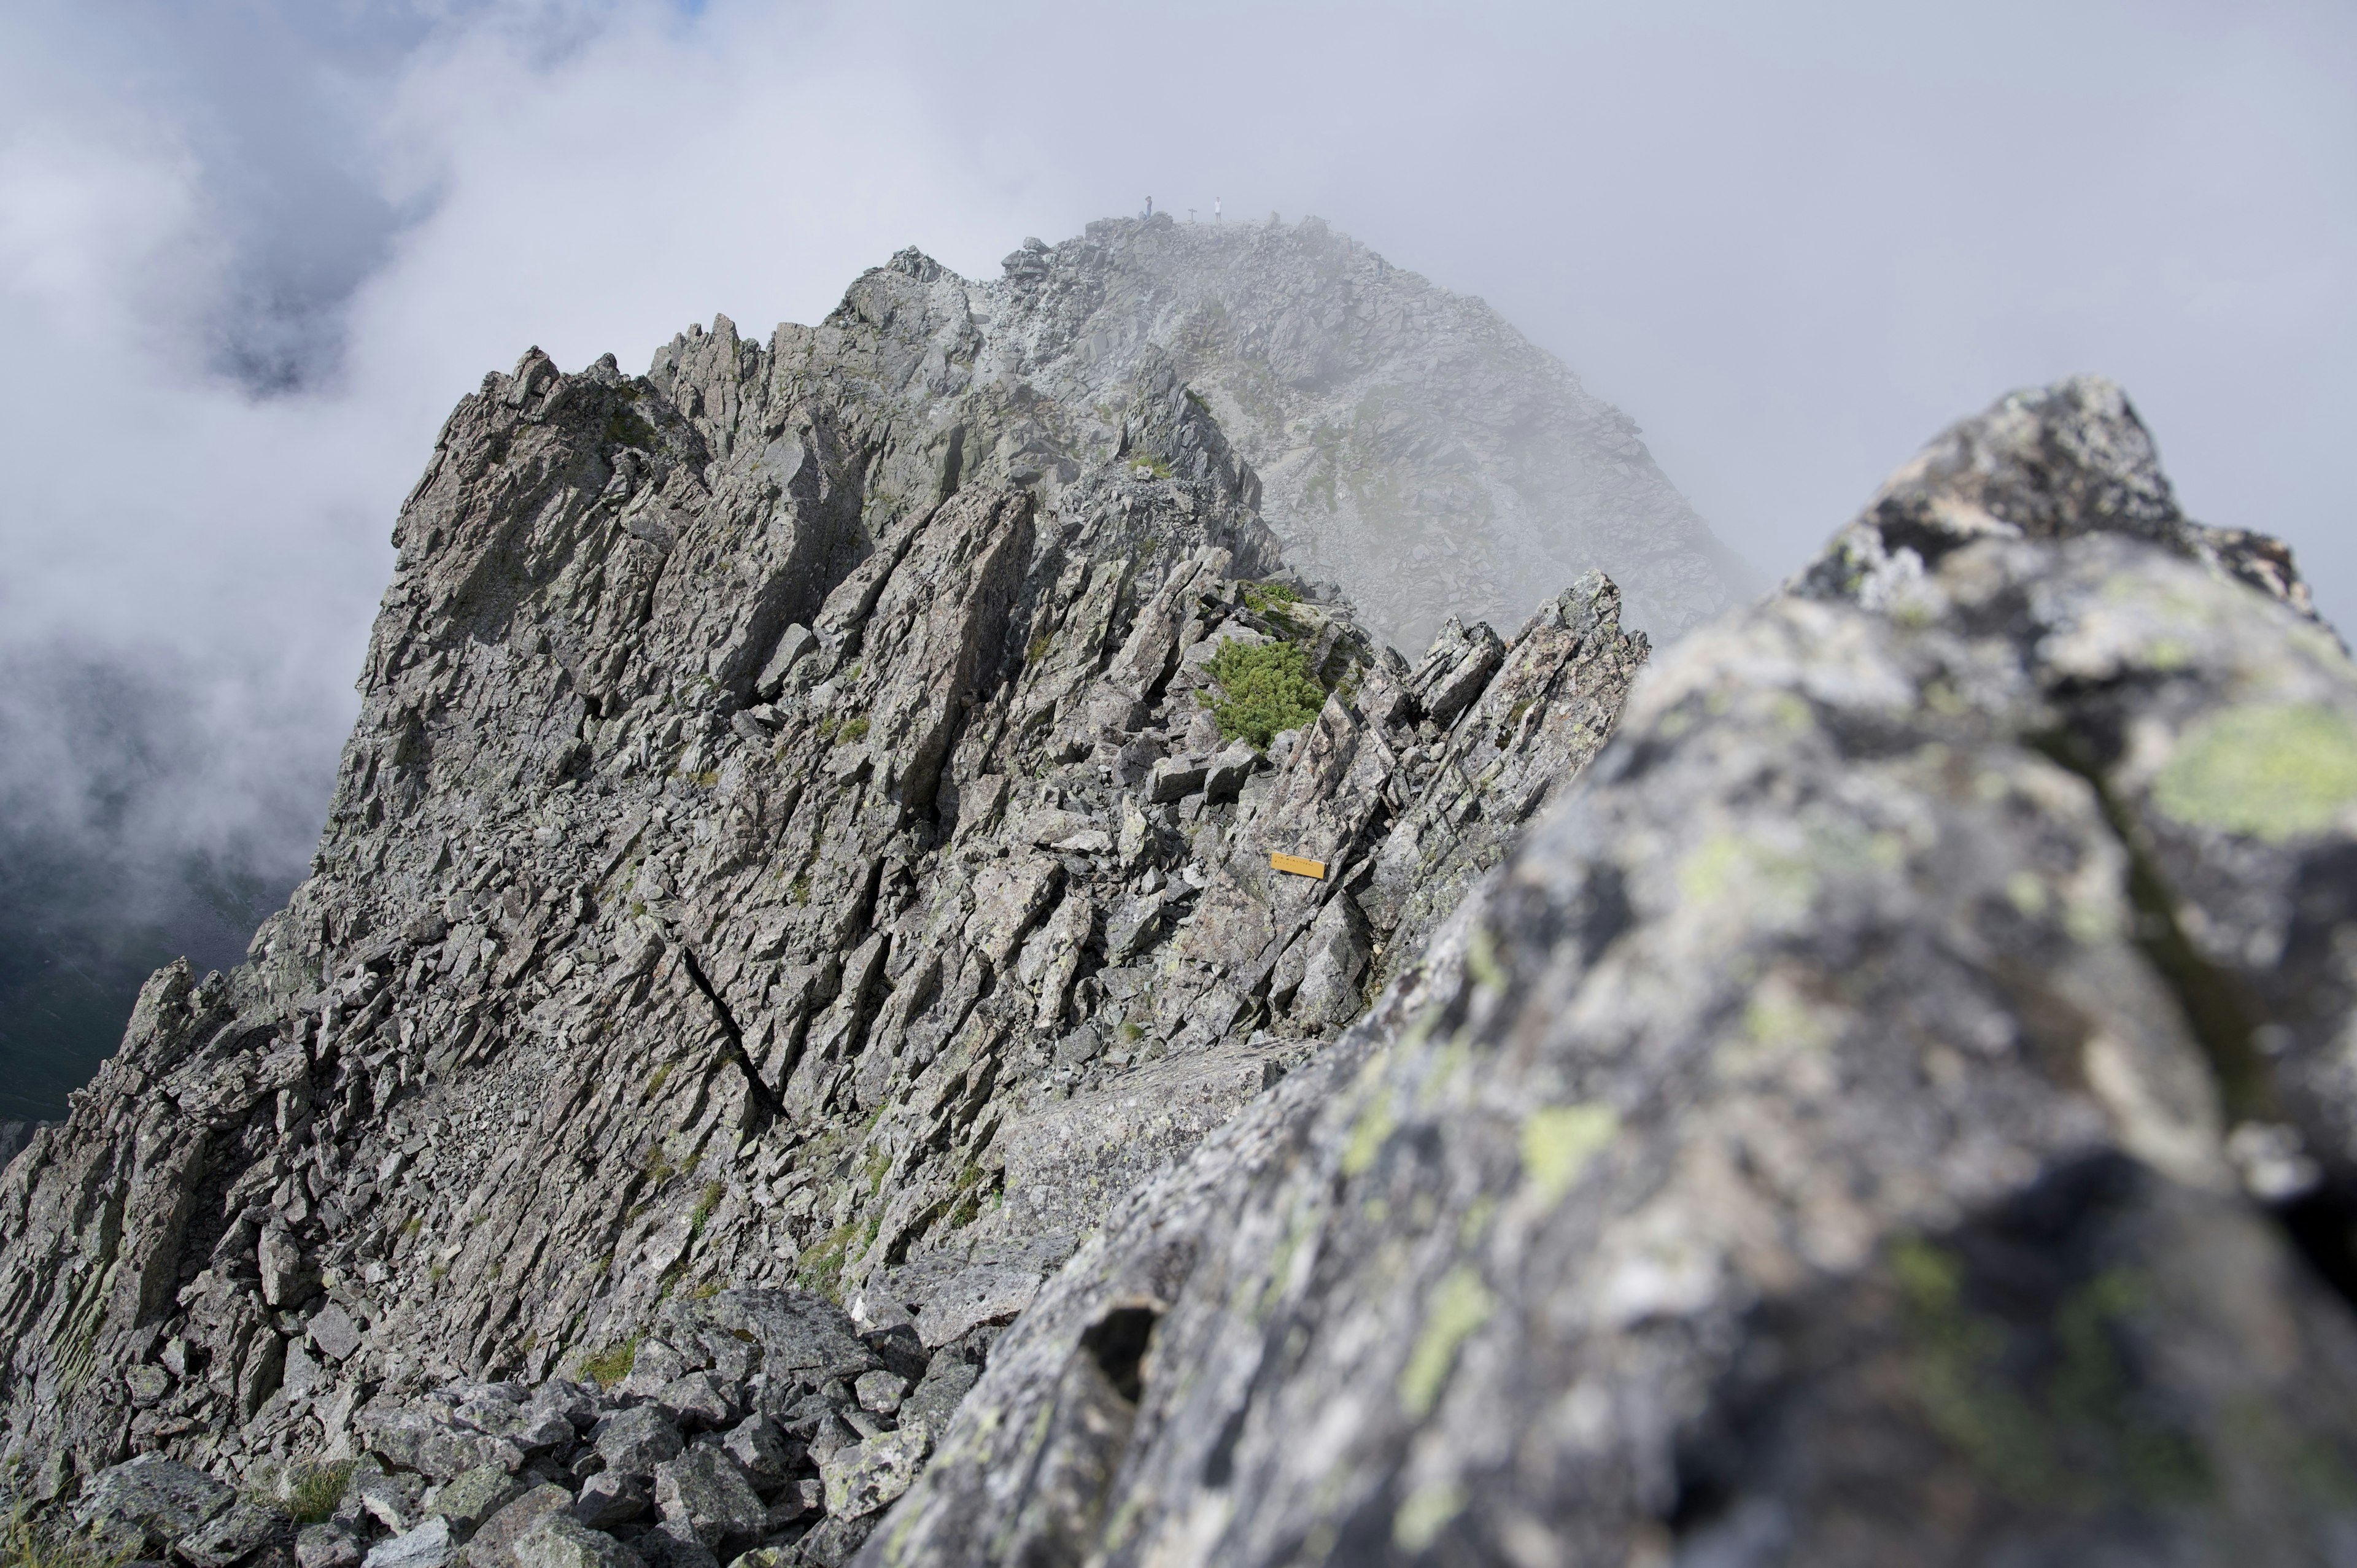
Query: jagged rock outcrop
column 1414, row 447
column 1898, row 1109
column 784, row 857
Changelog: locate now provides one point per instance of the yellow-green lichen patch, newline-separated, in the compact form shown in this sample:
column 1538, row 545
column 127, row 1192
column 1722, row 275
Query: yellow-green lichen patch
column 1460, row 1303
column 1559, row 1143
column 1369, row 1132
column 1781, row 1016
column 2274, row 773
column 1727, row 871
column 1425, row 1514
column 2027, row 894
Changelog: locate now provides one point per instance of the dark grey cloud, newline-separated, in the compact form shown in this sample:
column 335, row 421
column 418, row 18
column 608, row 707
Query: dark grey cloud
column 250, row 252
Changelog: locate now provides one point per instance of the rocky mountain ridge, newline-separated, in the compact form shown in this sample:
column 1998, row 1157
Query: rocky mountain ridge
column 779, row 873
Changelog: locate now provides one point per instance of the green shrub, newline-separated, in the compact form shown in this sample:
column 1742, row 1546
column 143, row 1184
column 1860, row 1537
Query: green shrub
column 1258, row 597
column 853, row 732
column 314, row 1489
column 1269, row 691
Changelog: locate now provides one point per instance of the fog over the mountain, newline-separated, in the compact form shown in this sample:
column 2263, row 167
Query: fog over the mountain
column 252, row 251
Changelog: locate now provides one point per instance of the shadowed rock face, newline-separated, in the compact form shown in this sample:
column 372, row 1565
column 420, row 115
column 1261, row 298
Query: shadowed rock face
column 787, row 883
column 1897, row 1108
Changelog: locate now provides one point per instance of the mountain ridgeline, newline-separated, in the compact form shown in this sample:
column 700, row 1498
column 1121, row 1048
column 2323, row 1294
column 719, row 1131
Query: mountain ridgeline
column 891, row 976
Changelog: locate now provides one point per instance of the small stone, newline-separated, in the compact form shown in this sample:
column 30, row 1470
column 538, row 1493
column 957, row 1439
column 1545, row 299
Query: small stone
column 697, row 1404
column 242, row 1529
column 1175, row 778
column 765, row 1454
column 705, row 1492
column 637, row 1440
column 832, row 1542
column 493, row 1545
column 468, row 1501
column 865, row 1478
column 430, row 1545
column 148, row 1384
column 803, row 1496
column 333, row 1331
column 327, row 1546
column 984, row 1294
column 1227, row 772
column 611, row 1497
column 792, row 644
column 558, row 1541
column 652, row 1365
column 880, row 1391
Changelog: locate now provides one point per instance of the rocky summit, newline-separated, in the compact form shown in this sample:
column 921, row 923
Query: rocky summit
column 890, row 979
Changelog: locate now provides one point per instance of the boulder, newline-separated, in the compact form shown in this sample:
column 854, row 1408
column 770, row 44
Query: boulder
column 555, row 1541
column 431, row 1545
column 493, row 1542
column 150, row 1503
column 633, row 1442
column 861, row 1480
column 704, row 1493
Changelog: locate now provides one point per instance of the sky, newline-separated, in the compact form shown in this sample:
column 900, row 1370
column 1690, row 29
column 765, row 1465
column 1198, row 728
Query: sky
column 253, row 250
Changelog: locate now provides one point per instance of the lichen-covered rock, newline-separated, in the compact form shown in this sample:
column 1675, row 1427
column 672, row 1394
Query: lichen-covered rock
column 149, row 1503
column 863, row 1479
column 1893, row 1109
column 705, row 1494
column 554, row 1540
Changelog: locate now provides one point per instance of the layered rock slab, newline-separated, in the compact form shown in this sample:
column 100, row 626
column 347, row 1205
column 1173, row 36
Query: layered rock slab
column 1891, row 1111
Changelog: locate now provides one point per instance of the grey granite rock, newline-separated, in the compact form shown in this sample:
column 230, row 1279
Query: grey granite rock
column 555, row 1541
column 431, row 1545
column 1827, row 1137
column 613, row 1498
column 705, row 1494
column 328, row 1546
column 493, row 1545
column 233, row 1535
column 150, row 1501
column 861, row 1479
column 468, row 1501
column 633, row 1442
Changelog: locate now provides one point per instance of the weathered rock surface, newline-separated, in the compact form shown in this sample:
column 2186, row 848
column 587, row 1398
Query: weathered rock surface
column 1898, row 1109
column 745, row 892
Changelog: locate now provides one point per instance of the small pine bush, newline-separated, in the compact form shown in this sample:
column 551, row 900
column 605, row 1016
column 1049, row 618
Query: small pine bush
column 1269, row 689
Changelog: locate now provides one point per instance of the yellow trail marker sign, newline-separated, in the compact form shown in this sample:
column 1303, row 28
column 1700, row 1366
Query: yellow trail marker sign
column 1298, row 865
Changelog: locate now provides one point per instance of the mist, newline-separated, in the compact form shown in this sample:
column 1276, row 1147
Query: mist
column 252, row 252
